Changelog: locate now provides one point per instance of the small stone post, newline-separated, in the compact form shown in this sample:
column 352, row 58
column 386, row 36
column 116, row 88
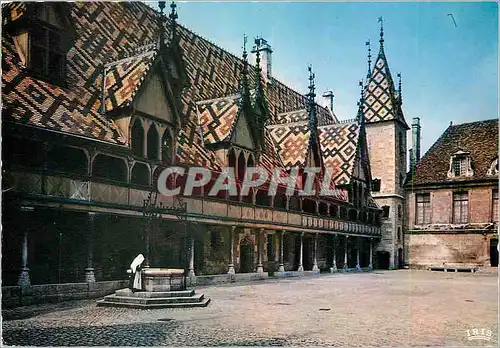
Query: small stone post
column 333, row 269
column 282, row 264
column 301, row 267
column 231, row 271
column 345, row 253
column 358, row 267
column 315, row 261
column 89, row 271
column 260, row 269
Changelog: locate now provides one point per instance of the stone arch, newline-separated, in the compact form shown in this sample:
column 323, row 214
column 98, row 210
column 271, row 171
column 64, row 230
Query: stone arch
column 137, row 137
column 153, row 139
column 167, row 147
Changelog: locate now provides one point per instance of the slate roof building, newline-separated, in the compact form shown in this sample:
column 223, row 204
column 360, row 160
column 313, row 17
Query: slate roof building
column 452, row 197
column 99, row 98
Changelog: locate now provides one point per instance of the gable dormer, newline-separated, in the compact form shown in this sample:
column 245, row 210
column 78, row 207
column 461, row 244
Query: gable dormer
column 460, row 165
column 43, row 34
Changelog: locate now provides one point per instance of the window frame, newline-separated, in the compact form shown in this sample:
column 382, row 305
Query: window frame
column 494, row 205
column 425, row 205
column 458, row 199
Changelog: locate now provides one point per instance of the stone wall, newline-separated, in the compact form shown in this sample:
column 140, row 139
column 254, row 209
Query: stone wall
column 14, row 296
column 441, row 249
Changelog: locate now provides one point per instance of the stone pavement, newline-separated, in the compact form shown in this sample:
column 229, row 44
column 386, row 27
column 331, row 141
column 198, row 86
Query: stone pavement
column 360, row 309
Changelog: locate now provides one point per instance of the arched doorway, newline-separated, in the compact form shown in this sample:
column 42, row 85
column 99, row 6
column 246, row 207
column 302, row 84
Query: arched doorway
column 246, row 256
column 494, row 252
column 400, row 258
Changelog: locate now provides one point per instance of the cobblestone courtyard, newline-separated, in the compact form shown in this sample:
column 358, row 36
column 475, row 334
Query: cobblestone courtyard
column 369, row 309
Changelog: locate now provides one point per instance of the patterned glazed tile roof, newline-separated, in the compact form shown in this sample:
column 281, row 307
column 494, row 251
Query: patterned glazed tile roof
column 339, row 143
column 292, row 142
column 123, row 79
column 37, row 103
column 478, row 138
column 380, row 100
column 122, row 36
column 218, row 117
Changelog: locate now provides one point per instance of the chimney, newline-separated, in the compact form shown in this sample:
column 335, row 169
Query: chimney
column 415, row 130
column 265, row 51
column 410, row 156
column 329, row 95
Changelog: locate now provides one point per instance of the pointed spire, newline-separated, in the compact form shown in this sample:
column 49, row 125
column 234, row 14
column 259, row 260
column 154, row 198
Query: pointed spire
column 173, row 20
column 400, row 95
column 361, row 114
column 381, row 21
column 244, row 77
column 311, row 104
column 161, row 21
column 369, row 59
column 258, row 82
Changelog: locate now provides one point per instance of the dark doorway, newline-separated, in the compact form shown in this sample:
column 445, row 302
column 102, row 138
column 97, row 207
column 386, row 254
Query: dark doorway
column 246, row 256
column 494, row 252
column 270, row 255
column 383, row 258
column 400, row 258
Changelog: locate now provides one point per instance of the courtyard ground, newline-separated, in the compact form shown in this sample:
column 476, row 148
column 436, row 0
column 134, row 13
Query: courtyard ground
column 383, row 308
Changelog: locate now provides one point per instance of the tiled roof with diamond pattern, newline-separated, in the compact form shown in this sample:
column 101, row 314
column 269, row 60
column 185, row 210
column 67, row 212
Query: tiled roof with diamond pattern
column 339, row 143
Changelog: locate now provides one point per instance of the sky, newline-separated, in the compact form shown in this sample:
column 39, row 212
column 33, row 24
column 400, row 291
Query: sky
column 449, row 64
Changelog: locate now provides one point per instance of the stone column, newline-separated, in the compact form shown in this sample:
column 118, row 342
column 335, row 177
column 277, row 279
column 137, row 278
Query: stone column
column 282, row 264
column 333, row 269
column 370, row 266
column 231, row 251
column 191, row 273
column 260, row 269
column 301, row 267
column 89, row 271
column 24, row 276
column 345, row 253
column 358, row 267
column 315, row 261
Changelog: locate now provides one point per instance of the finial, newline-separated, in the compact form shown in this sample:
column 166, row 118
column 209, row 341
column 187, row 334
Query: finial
column 361, row 89
column 381, row 21
column 161, row 5
column 244, row 46
column 173, row 13
column 173, row 17
column 311, row 82
column 399, row 85
column 369, row 57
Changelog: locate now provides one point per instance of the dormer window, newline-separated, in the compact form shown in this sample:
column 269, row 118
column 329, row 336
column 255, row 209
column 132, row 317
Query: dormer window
column 493, row 170
column 460, row 165
column 47, row 57
column 43, row 35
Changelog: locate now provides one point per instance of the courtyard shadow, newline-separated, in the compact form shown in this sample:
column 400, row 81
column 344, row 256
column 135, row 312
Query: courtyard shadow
column 147, row 334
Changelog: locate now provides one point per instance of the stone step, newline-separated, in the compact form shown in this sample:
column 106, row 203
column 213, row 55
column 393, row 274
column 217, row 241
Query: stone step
column 155, row 294
column 144, row 300
column 104, row 303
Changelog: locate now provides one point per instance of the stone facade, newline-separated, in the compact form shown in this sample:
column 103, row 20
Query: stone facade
column 452, row 212
column 388, row 163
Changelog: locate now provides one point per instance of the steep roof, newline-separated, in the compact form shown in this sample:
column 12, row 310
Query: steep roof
column 478, row 138
column 339, row 143
column 381, row 102
column 122, row 37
